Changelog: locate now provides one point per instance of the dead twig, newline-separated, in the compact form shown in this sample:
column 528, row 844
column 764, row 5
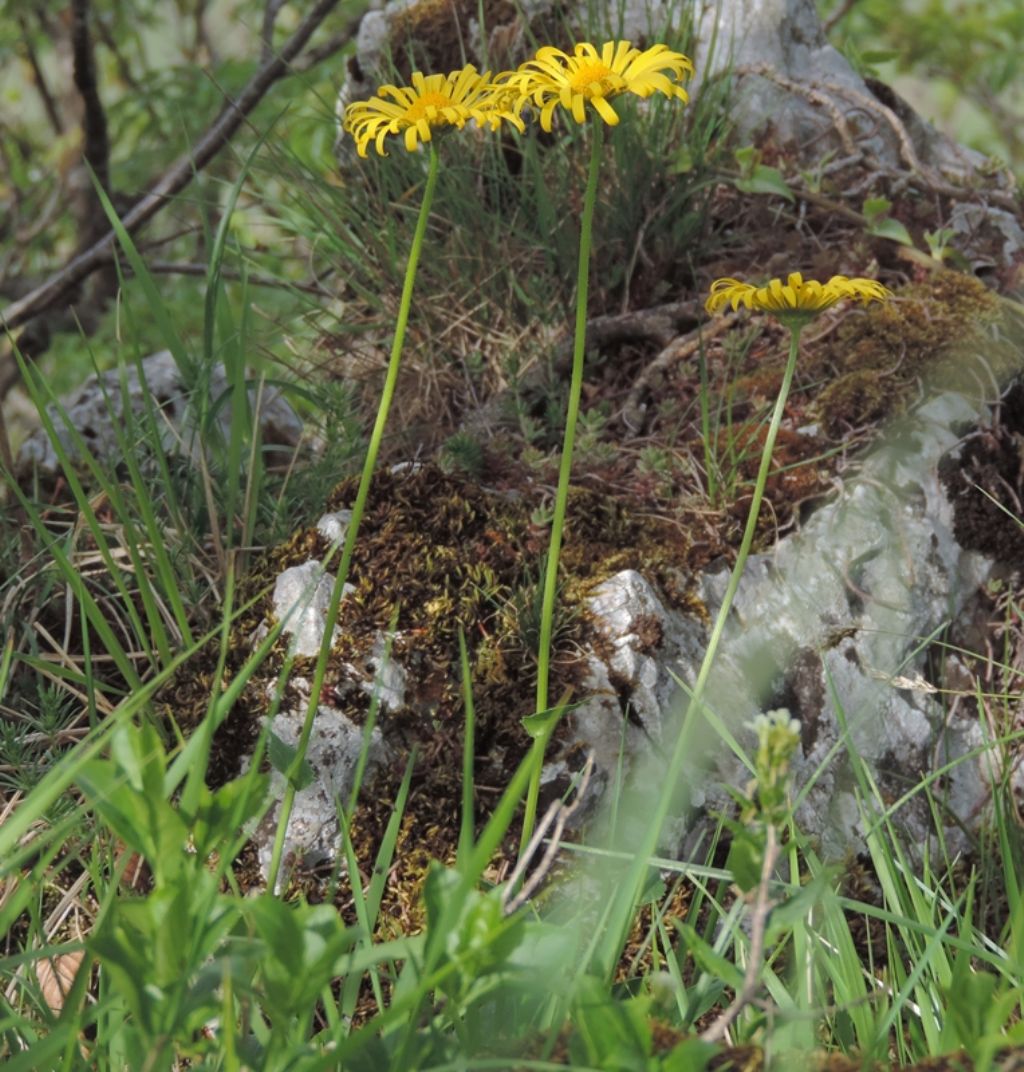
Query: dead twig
column 556, row 816
column 53, row 115
column 96, row 143
column 173, row 181
column 828, row 96
column 271, row 9
column 659, row 324
column 326, row 49
column 124, row 70
column 811, row 93
column 253, row 278
column 632, row 413
column 838, row 15
column 763, row 904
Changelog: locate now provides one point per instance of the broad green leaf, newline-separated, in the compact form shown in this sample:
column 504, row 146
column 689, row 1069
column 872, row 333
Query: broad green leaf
column 282, row 756
column 891, row 229
column 765, row 180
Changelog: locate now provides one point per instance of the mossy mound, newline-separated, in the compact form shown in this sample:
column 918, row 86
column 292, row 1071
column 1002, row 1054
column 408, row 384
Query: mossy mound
column 876, row 362
column 438, row 555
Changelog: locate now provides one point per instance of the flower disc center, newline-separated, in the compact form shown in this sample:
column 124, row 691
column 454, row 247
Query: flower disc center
column 589, row 76
column 418, row 109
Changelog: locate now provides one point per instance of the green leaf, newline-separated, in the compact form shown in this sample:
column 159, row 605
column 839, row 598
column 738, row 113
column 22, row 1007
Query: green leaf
column 540, row 725
column 705, row 957
column 876, row 208
column 879, row 55
column 610, row 1034
column 891, row 229
column 223, row 813
column 302, row 942
column 682, row 161
column 745, row 860
column 282, row 756
column 692, row 1055
column 765, row 180
column 796, row 908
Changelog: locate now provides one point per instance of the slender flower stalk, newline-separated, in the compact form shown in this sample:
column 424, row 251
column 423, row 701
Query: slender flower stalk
column 794, row 304
column 547, row 610
column 411, row 113
column 550, row 80
column 358, row 508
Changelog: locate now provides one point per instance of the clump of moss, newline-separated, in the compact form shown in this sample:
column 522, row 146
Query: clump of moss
column 856, row 399
column 876, row 359
column 437, row 555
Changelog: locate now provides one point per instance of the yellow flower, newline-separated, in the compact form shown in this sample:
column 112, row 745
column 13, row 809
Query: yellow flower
column 795, row 301
column 555, row 78
column 433, row 100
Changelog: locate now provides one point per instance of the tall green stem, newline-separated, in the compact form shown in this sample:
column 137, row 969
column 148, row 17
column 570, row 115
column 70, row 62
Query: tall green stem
column 628, row 892
column 358, row 508
column 547, row 611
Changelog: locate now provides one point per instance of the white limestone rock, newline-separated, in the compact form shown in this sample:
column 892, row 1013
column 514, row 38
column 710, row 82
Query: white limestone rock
column 302, row 596
column 313, row 835
column 99, row 408
column 833, row 624
column 333, row 526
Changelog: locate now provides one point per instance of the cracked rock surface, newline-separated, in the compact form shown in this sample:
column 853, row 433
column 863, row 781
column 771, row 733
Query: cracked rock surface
column 99, row 409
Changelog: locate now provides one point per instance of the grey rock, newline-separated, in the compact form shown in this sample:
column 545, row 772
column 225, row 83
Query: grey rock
column 623, row 609
column 789, row 76
column 97, row 411
column 972, row 224
column 834, row 624
column 383, row 678
column 313, row 835
column 334, row 526
column 301, row 599
column 302, row 596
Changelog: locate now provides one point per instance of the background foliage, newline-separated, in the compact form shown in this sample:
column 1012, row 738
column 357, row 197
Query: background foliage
column 958, row 62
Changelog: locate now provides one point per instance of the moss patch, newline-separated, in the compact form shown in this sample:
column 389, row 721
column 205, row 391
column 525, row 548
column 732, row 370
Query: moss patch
column 437, row 554
column 875, row 360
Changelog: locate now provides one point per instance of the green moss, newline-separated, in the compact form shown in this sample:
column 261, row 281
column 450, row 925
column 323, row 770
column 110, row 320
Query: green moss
column 854, row 400
column 436, row 555
column 875, row 361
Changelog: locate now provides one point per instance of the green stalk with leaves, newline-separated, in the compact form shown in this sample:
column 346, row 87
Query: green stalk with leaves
column 794, row 303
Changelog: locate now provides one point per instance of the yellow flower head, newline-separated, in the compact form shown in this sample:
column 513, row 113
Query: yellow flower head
column 555, row 78
column 433, row 100
column 796, row 301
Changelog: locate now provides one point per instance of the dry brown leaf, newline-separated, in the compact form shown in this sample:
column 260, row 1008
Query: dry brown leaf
column 56, row 977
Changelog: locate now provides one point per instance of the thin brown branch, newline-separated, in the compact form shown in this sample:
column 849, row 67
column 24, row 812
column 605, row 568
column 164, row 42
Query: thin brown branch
column 680, row 348
column 124, row 71
column 838, row 15
column 253, row 278
column 96, row 143
column 556, row 816
column 271, row 9
column 763, row 905
column 174, row 180
column 326, row 49
column 658, row 324
column 39, row 80
column 201, row 41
